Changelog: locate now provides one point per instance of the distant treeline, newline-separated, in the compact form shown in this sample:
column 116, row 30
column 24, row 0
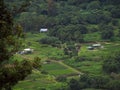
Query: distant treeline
column 69, row 20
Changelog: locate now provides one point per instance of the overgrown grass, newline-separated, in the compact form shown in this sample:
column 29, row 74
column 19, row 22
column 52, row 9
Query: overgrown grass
column 53, row 66
column 57, row 69
column 93, row 59
column 91, row 65
column 40, row 50
column 38, row 82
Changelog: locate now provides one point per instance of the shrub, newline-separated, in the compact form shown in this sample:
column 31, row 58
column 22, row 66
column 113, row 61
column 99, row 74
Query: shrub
column 112, row 63
column 107, row 31
column 113, row 85
column 50, row 41
column 89, row 81
column 61, row 78
column 111, row 66
column 79, row 59
column 44, row 72
column 94, row 5
column 74, row 85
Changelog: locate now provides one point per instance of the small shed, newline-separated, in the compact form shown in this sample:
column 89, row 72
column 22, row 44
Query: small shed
column 43, row 30
column 96, row 45
column 25, row 51
column 90, row 48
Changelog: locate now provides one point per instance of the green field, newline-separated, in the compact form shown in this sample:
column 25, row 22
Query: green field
column 93, row 58
column 59, row 66
column 38, row 81
column 57, row 69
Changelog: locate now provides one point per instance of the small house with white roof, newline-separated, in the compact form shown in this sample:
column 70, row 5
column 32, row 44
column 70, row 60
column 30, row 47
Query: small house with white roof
column 43, row 30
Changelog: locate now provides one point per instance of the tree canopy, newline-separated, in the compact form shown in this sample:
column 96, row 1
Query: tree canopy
column 11, row 70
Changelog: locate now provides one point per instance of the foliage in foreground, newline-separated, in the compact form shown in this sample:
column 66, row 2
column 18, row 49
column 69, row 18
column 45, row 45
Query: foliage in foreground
column 10, row 41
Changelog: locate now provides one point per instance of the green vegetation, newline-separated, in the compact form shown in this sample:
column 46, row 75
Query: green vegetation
column 56, row 69
column 80, row 50
column 11, row 70
column 38, row 81
column 87, row 61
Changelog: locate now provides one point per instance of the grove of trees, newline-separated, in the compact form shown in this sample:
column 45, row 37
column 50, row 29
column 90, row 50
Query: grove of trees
column 70, row 20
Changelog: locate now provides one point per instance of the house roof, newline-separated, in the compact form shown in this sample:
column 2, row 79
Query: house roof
column 28, row 49
column 96, row 45
column 90, row 48
column 43, row 30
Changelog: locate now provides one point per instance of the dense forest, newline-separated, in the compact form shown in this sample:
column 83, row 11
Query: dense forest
column 71, row 24
column 70, row 20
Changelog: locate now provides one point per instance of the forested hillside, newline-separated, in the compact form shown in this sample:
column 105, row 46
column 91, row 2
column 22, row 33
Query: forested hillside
column 80, row 50
column 71, row 20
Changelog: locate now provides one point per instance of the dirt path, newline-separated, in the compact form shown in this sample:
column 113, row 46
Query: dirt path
column 67, row 66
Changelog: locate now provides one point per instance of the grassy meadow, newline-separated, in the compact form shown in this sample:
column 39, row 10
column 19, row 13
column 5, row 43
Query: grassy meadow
column 56, row 69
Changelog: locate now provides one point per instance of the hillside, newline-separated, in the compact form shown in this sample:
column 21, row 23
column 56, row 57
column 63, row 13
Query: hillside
column 80, row 50
column 63, row 17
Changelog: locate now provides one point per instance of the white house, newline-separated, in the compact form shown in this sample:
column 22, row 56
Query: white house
column 96, row 45
column 43, row 30
column 90, row 48
column 26, row 51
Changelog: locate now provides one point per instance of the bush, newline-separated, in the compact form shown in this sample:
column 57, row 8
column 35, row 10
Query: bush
column 61, row 78
column 74, row 85
column 44, row 72
column 93, row 29
column 111, row 66
column 116, row 12
column 50, row 41
column 94, row 5
column 115, row 22
column 112, row 63
column 89, row 81
column 113, row 85
column 79, row 59
column 107, row 32
column 71, row 50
